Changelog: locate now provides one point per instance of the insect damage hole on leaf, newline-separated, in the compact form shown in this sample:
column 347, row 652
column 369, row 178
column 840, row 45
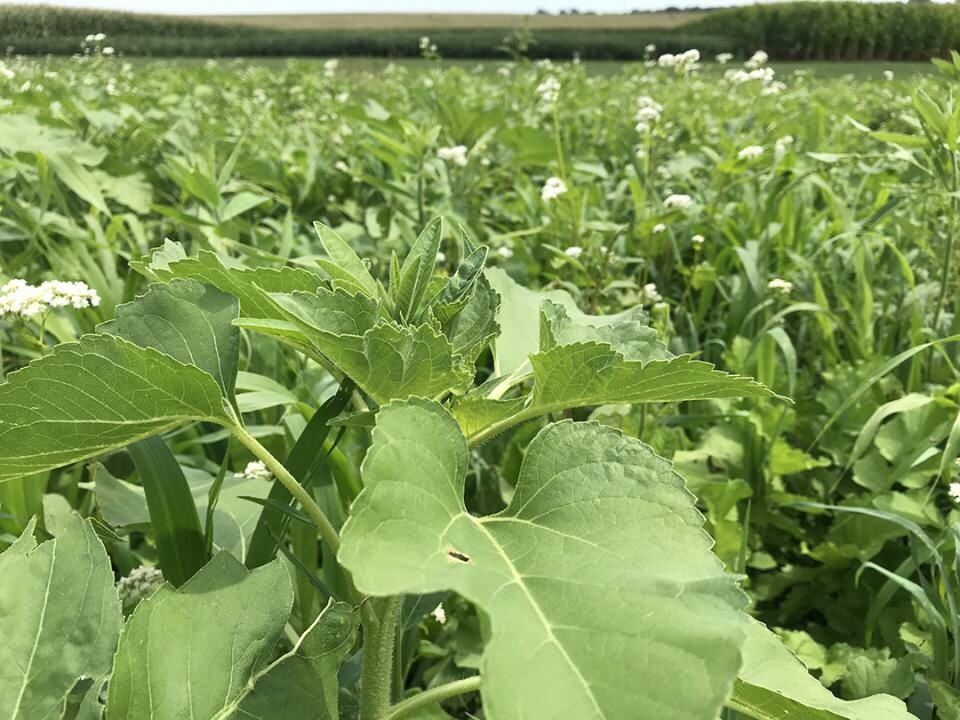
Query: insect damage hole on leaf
column 454, row 554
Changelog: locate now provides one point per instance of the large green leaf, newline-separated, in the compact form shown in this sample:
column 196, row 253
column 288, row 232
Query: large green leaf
column 251, row 286
column 604, row 598
column 191, row 652
column 95, row 395
column 519, row 317
column 589, row 373
column 303, row 684
column 774, row 685
column 593, row 374
column 388, row 361
column 59, row 619
column 189, row 321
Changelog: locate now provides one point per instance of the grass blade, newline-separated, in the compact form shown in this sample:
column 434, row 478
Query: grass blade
column 173, row 514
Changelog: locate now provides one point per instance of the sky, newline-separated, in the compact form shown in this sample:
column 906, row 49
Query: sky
column 242, row 7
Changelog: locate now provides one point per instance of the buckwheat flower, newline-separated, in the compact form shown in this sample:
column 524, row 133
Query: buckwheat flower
column 574, row 251
column 660, row 307
column 650, row 49
column 549, row 90
column 456, row 154
column 256, row 470
column 954, row 491
column 888, row 75
column 724, row 58
column 642, row 128
column 641, row 152
column 330, row 67
column 677, row 202
column 439, row 614
column 659, row 228
column 341, row 166
column 651, row 294
column 647, row 114
column 751, row 152
column 140, row 584
column 505, row 252
column 88, row 39
column 782, row 143
column 784, row 287
column 441, row 257
column 107, row 51
column 100, row 37
column 697, row 240
column 774, row 88
column 424, row 42
column 553, row 188
column 758, row 59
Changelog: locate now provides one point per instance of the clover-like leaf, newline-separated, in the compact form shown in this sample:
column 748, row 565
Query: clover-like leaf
column 597, row 574
column 95, row 395
column 59, row 619
column 773, row 684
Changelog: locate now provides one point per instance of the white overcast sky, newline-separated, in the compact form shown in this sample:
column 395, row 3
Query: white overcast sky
column 241, row 7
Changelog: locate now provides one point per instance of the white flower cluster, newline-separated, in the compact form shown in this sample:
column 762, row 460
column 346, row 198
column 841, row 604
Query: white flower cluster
column 651, row 295
column 5, row 72
column 330, row 67
column 750, row 152
column 650, row 49
column 782, row 143
column 553, row 188
column 758, row 59
column 954, row 491
column 549, row 90
column 784, row 287
column 256, row 470
column 456, row 154
column 426, row 46
column 140, row 584
column 95, row 38
column 756, row 70
column 505, row 252
column 681, row 63
column 724, row 58
column 698, row 240
column 18, row 297
column 573, row 251
column 439, row 614
column 677, row 202
column 648, row 111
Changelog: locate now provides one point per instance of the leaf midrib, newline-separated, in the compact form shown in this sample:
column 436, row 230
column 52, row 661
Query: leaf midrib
column 548, row 628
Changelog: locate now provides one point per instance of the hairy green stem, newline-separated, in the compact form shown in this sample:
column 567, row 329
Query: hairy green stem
column 327, row 532
column 433, row 696
column 380, row 617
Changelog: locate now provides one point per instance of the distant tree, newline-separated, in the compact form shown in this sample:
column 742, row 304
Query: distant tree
column 541, row 11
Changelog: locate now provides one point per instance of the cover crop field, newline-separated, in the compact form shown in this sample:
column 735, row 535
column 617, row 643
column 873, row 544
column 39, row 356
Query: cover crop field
column 501, row 392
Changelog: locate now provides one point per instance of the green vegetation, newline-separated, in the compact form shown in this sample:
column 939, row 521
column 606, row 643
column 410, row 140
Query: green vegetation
column 504, row 392
column 838, row 30
column 789, row 31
